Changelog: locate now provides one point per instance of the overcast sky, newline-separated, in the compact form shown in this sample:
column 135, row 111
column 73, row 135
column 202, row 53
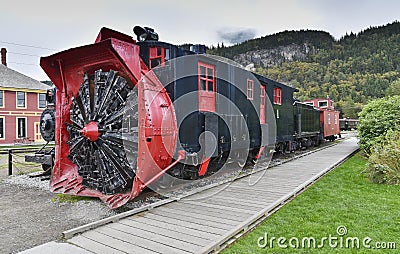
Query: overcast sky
column 59, row 25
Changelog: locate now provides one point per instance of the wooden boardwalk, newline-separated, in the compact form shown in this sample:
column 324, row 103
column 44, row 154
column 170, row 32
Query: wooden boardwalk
column 207, row 221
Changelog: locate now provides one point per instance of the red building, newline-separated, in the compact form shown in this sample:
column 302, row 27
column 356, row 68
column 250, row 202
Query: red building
column 22, row 100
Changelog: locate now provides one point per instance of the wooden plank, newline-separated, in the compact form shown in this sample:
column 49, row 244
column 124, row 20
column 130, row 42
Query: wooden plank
column 253, row 198
column 139, row 241
column 260, row 189
column 111, row 241
column 228, row 204
column 201, row 221
column 184, row 236
column 177, row 228
column 237, row 202
column 192, row 225
column 154, row 237
column 234, row 216
column 255, row 193
column 270, row 183
column 222, row 208
column 199, row 214
column 242, row 199
column 93, row 246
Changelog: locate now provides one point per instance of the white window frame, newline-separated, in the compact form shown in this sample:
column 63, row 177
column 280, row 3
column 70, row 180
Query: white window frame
column 45, row 101
column 3, row 94
column 16, row 100
column 17, row 129
column 319, row 104
column 4, row 128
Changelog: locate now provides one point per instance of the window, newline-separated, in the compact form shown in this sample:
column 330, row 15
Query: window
column 2, row 128
column 42, row 100
column 329, row 118
column 277, row 96
column 21, row 127
column 158, row 56
column 323, row 104
column 206, row 77
column 1, row 98
column 250, row 89
column 335, row 119
column 21, row 99
column 207, row 87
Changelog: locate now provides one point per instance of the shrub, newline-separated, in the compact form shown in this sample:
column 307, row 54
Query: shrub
column 376, row 119
column 384, row 161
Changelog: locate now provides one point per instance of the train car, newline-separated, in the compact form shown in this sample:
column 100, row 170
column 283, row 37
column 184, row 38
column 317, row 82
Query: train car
column 282, row 99
column 130, row 113
column 347, row 124
column 122, row 124
column 307, row 122
column 329, row 117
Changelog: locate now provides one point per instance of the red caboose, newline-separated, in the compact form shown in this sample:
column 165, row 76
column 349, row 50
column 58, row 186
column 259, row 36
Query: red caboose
column 329, row 117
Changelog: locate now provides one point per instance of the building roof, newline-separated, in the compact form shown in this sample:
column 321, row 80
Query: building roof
column 13, row 79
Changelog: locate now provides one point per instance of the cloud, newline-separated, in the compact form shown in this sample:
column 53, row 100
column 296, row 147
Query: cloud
column 236, row 35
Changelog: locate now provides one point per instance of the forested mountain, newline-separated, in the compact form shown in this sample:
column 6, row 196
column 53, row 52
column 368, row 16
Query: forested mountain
column 351, row 71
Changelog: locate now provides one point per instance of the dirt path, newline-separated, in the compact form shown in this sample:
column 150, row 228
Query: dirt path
column 29, row 217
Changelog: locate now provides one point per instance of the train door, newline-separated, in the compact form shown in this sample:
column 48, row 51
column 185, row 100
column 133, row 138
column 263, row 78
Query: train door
column 262, row 104
column 206, row 87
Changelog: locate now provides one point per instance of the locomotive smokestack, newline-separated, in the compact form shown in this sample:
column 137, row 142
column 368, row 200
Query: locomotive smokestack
column 4, row 56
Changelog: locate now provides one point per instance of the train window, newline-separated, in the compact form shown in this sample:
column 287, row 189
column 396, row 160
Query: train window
column 329, row 118
column 157, row 56
column 335, row 119
column 206, row 86
column 167, row 54
column 277, row 96
column 323, row 104
column 250, row 89
column 206, row 77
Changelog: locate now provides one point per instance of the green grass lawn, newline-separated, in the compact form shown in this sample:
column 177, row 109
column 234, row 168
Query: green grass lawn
column 344, row 197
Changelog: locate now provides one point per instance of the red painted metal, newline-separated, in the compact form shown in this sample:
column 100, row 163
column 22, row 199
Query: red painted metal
column 262, row 104
column 91, row 131
column 157, row 122
column 204, row 166
column 260, row 152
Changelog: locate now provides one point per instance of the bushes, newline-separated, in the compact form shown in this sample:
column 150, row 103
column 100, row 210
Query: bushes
column 384, row 161
column 379, row 134
column 376, row 119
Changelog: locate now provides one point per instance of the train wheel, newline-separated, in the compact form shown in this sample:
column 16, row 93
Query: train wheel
column 104, row 132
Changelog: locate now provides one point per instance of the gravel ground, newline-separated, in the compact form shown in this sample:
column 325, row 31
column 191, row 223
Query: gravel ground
column 29, row 217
